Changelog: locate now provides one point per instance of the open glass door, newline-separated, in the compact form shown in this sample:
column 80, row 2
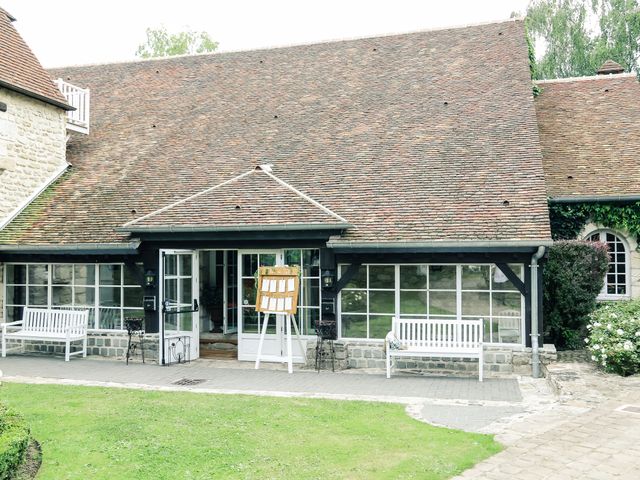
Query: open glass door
column 179, row 335
column 230, row 324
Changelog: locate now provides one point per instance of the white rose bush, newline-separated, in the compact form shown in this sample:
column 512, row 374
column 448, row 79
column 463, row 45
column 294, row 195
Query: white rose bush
column 614, row 337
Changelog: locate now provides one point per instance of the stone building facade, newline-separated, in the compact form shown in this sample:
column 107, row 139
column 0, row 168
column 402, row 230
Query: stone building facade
column 32, row 148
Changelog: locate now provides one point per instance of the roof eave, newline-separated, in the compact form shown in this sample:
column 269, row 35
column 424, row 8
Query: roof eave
column 476, row 246
column 127, row 248
column 42, row 98
column 594, row 198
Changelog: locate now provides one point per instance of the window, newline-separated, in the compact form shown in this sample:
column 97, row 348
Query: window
column 309, row 301
column 616, row 280
column 109, row 291
column 378, row 292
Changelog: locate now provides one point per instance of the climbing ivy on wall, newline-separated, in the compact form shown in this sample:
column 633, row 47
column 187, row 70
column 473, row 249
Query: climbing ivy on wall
column 568, row 219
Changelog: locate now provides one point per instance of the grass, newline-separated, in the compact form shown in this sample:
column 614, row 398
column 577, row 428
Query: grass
column 102, row 433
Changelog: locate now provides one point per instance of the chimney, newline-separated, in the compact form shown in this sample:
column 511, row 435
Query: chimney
column 610, row 67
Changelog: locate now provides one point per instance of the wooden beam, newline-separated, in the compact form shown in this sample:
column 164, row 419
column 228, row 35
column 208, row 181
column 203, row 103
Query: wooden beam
column 351, row 272
column 511, row 275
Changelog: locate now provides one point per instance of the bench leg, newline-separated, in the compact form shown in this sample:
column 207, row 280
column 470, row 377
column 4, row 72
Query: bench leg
column 84, row 347
column 388, row 365
column 480, row 367
column 67, row 351
column 4, row 346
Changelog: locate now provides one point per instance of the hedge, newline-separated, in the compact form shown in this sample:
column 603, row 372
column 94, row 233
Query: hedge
column 573, row 277
column 14, row 440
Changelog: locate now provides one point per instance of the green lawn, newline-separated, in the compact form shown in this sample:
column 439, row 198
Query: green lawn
column 97, row 433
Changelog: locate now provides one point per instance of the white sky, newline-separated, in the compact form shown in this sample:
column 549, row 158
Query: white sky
column 71, row 32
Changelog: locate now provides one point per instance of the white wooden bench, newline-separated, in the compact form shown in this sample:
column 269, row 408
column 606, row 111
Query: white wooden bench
column 436, row 338
column 39, row 324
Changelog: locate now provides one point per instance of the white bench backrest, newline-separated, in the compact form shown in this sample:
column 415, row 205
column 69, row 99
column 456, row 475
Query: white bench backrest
column 428, row 335
column 55, row 321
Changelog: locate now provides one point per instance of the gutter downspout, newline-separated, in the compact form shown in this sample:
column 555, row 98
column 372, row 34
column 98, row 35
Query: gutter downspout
column 535, row 355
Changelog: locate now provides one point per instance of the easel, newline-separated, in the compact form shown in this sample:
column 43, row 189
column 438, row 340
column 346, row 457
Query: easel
column 289, row 319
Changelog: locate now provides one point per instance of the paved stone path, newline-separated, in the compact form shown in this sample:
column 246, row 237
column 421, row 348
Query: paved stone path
column 586, row 436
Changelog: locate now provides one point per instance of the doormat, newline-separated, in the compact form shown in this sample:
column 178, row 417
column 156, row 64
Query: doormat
column 189, row 381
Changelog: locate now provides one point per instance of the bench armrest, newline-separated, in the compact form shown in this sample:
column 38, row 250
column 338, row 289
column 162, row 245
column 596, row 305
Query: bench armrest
column 82, row 325
column 10, row 324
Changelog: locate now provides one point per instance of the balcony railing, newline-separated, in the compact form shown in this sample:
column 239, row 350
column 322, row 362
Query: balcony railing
column 79, row 98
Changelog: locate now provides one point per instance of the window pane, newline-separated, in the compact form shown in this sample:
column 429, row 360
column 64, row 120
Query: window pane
column 85, row 296
column 62, row 274
column 311, row 292
column 475, row 277
column 310, row 317
column 475, row 304
column 379, row 325
column 16, row 295
column 506, row 304
column 110, row 275
column 171, row 291
column 248, row 292
column 16, row 274
column 292, row 257
column 354, row 301
column 249, row 320
column 413, row 303
column 110, row 297
column 382, row 302
column 61, row 295
column 354, row 326
column 267, row 259
column 38, row 274
column 442, row 276
column 110, row 319
column 506, row 330
column 382, row 276
column 413, row 276
column 133, row 297
column 170, row 264
column 133, row 313
column 186, row 321
column 186, row 291
column 500, row 281
column 311, row 263
column 185, row 265
column 133, row 274
column 360, row 278
column 14, row 314
column 442, row 303
column 85, row 274
column 38, row 296
column 249, row 264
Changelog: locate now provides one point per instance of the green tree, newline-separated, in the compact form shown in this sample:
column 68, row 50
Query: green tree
column 579, row 35
column 161, row 43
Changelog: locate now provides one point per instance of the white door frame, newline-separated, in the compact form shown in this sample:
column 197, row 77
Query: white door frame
column 195, row 292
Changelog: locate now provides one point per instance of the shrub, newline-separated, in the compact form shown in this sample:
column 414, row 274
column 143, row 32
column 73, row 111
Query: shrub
column 573, row 277
column 14, row 440
column 614, row 337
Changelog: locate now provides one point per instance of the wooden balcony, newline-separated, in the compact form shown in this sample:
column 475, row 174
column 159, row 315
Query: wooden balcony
column 79, row 98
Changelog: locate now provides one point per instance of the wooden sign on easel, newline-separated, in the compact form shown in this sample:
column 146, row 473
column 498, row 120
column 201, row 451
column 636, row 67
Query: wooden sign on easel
column 278, row 289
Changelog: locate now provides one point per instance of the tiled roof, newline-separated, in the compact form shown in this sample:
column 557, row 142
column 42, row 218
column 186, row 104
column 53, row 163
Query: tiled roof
column 20, row 69
column 589, row 133
column 421, row 137
column 254, row 199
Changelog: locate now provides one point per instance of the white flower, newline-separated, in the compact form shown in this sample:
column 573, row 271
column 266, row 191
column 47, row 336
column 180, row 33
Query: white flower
column 596, row 347
column 613, row 315
column 593, row 358
column 604, row 355
column 597, row 324
column 620, row 331
column 628, row 345
column 586, row 340
column 609, row 327
column 638, row 333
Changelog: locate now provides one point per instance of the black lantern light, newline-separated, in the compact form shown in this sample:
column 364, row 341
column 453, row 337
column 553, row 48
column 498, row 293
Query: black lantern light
column 150, row 278
column 328, row 278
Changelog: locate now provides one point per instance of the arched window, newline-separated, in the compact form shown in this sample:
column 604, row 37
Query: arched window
column 616, row 281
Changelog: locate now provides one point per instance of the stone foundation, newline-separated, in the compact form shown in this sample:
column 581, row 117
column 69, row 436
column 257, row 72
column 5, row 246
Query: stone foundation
column 498, row 360
column 99, row 344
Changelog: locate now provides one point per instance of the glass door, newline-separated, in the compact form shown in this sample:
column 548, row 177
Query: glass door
column 180, row 332
column 230, row 324
column 250, row 321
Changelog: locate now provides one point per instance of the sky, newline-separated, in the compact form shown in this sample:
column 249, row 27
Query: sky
column 76, row 32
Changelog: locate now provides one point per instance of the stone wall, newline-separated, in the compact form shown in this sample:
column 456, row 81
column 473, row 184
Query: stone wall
column 98, row 344
column 498, row 360
column 32, row 147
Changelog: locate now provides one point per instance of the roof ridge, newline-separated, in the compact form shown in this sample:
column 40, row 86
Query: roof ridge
column 609, row 76
column 290, row 45
column 190, row 197
column 305, row 196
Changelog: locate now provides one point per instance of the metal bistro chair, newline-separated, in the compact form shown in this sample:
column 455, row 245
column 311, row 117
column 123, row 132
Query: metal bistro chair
column 327, row 332
column 135, row 328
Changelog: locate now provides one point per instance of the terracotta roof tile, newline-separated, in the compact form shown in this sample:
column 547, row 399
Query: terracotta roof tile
column 589, row 134
column 20, row 69
column 416, row 137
